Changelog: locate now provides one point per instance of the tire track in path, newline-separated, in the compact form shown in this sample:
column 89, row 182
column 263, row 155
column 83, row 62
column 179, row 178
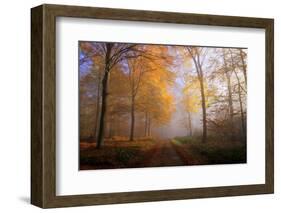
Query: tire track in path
column 164, row 154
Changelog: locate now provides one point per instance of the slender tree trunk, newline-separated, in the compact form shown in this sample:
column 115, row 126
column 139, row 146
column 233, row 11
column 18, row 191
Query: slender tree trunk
column 189, row 124
column 243, row 126
column 240, row 101
column 204, row 136
column 97, row 109
column 132, row 118
column 110, row 118
column 243, row 65
column 102, row 122
column 149, row 130
column 133, row 95
column 103, row 111
column 230, row 105
column 242, row 112
column 145, row 124
column 230, row 101
column 201, row 80
column 200, row 75
column 149, row 126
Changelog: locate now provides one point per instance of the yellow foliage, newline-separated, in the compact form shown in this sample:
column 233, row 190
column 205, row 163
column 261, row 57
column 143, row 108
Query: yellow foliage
column 155, row 96
column 192, row 94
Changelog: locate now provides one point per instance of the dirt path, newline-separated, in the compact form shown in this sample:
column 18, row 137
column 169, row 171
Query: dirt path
column 164, row 154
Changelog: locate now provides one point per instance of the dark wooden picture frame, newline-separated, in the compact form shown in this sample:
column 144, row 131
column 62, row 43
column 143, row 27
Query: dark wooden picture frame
column 43, row 105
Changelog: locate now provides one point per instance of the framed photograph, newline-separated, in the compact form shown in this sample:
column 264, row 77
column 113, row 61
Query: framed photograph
column 137, row 106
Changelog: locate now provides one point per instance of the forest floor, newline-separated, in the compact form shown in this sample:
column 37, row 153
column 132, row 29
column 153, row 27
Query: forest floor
column 151, row 153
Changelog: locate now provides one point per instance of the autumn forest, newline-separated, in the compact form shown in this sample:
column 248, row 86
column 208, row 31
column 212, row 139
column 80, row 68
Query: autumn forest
column 150, row 105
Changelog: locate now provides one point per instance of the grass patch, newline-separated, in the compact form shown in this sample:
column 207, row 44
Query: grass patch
column 185, row 140
column 221, row 154
column 212, row 152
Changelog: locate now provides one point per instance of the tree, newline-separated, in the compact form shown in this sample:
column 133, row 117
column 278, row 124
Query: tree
column 190, row 101
column 157, row 105
column 222, row 73
column 227, row 73
column 150, row 67
column 136, row 69
column 97, row 75
column 198, row 55
column 87, row 106
column 239, row 90
column 90, row 80
column 112, row 54
column 243, row 56
column 155, row 99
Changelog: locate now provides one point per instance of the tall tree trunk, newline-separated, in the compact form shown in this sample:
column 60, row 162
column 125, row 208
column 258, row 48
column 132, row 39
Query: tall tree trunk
column 242, row 113
column 97, row 108
column 145, row 123
column 196, row 60
column 243, row 126
column 132, row 118
column 230, row 101
column 204, row 136
column 149, row 126
column 240, row 100
column 110, row 118
column 102, row 122
column 201, row 80
column 189, row 124
column 103, row 111
column 243, row 65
